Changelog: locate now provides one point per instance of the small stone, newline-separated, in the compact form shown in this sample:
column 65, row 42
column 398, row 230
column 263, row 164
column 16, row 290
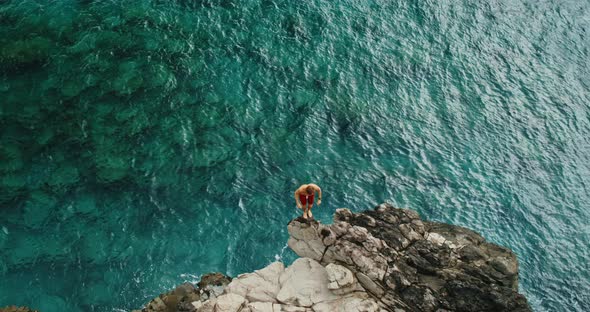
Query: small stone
column 370, row 285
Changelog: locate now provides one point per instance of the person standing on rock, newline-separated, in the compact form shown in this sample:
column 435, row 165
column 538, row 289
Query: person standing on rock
column 304, row 198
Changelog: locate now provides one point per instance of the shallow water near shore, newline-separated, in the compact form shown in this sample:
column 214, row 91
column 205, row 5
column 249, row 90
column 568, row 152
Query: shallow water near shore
column 145, row 143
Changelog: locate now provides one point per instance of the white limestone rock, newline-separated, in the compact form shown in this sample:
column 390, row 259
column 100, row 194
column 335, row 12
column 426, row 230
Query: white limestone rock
column 230, row 303
column 303, row 249
column 370, row 285
column 272, row 272
column 208, row 306
column 261, row 306
column 253, row 287
column 197, row 304
column 304, row 283
column 262, row 285
column 357, row 302
column 339, row 276
column 374, row 262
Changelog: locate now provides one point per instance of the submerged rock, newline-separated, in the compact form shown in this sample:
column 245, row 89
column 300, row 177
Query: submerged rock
column 386, row 259
column 16, row 309
column 187, row 297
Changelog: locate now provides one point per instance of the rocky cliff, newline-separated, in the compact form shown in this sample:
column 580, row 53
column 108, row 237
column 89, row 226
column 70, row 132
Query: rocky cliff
column 387, row 259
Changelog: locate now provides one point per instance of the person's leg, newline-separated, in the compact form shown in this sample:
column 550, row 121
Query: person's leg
column 310, row 204
column 303, row 201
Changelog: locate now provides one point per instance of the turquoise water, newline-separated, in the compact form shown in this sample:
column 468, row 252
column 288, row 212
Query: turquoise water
column 144, row 143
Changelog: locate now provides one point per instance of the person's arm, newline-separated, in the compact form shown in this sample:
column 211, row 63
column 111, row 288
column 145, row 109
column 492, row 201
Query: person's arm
column 320, row 194
column 297, row 199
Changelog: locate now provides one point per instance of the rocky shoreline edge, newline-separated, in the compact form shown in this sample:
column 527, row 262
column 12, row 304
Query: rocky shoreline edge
column 386, row 259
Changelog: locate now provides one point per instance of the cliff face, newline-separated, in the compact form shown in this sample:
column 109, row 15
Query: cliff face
column 386, row 259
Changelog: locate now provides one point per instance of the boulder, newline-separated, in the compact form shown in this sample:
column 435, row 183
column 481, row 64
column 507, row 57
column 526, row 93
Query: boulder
column 304, row 283
column 253, row 287
column 339, row 276
column 230, row 303
column 187, row 297
column 213, row 284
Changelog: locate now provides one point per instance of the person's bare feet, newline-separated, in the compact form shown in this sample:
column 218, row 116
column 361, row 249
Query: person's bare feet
column 309, row 214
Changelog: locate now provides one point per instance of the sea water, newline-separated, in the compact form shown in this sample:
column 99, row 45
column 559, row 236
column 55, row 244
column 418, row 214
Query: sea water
column 145, row 143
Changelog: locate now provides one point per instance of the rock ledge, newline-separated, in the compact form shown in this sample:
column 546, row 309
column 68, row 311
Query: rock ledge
column 386, row 259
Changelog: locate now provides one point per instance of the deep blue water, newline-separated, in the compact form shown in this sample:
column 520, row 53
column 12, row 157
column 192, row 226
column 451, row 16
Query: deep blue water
column 145, row 143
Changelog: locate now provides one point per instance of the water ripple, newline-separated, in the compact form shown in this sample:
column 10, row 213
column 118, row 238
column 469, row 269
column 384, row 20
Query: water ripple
column 144, row 144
